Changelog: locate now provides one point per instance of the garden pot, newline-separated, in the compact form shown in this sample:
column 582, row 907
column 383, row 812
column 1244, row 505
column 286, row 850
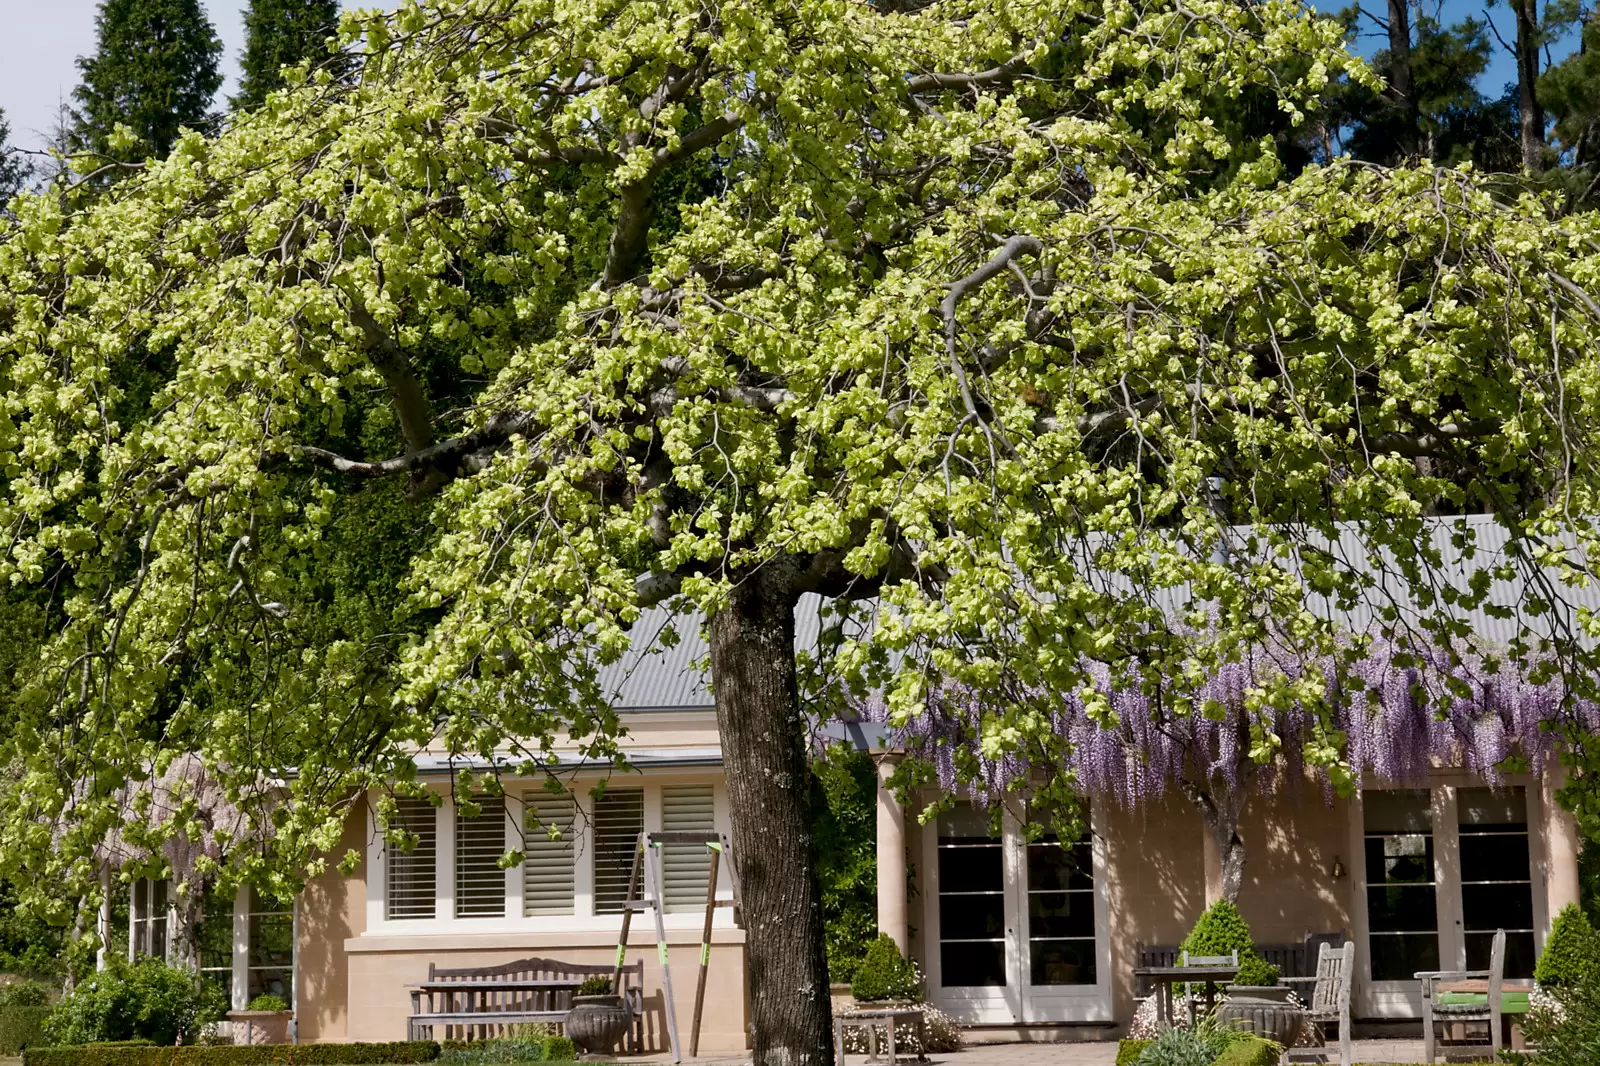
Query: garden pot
column 260, row 1026
column 1274, row 993
column 596, row 1023
column 1270, row 1018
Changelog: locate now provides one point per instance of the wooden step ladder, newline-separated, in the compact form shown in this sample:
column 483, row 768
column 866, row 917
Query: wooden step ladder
column 647, row 862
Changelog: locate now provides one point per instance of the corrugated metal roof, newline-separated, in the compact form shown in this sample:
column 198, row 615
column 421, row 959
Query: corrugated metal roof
column 657, row 678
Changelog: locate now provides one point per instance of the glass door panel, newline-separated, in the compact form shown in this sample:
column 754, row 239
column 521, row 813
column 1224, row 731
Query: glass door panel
column 972, row 901
column 1061, row 926
column 1496, row 877
column 1401, row 886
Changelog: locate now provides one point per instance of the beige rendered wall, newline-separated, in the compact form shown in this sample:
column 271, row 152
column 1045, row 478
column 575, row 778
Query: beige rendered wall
column 380, row 968
column 1291, row 844
column 332, row 910
column 1155, row 883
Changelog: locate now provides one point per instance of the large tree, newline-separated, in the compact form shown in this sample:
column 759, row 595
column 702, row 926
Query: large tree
column 284, row 33
column 378, row 420
column 154, row 71
column 14, row 167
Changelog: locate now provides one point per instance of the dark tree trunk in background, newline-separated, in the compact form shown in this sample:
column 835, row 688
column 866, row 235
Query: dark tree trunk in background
column 1405, row 99
column 1532, row 117
column 769, row 787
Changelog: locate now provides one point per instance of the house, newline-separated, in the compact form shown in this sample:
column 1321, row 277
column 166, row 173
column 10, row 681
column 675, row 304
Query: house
column 1017, row 938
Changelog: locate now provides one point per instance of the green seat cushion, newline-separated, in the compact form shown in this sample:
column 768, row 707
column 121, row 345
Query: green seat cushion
column 1510, row 1002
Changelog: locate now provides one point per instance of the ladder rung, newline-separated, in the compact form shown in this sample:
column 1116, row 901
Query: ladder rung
column 638, row 904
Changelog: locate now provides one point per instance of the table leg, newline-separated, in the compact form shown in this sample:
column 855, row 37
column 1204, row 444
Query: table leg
column 1164, row 1005
column 889, row 1024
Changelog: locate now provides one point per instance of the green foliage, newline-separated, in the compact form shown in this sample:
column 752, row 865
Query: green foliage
column 284, row 33
column 1569, row 1036
column 26, row 994
column 1128, row 1051
column 885, row 974
column 154, row 70
column 21, row 1027
column 844, row 797
column 517, row 1047
column 1221, row 930
column 268, row 1001
column 1254, row 970
column 595, row 986
column 260, row 1055
column 1571, row 953
column 14, row 167
column 147, row 1000
column 1250, row 1051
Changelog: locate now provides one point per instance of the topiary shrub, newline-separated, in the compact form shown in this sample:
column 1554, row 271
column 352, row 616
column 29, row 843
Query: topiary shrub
column 1571, row 953
column 148, row 1000
column 267, row 1002
column 885, row 974
column 1221, row 930
column 1256, row 971
column 559, row 1049
column 595, row 986
column 1128, row 1051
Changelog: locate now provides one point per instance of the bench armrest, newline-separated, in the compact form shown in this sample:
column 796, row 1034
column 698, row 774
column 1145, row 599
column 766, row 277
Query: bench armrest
column 1448, row 975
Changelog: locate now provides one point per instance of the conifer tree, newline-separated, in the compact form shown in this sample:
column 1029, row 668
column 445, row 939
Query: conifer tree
column 14, row 168
column 282, row 33
column 155, row 70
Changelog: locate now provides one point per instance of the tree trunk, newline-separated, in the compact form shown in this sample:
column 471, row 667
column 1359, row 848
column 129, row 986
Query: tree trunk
column 769, row 786
column 1532, row 117
column 1400, row 77
column 1220, row 806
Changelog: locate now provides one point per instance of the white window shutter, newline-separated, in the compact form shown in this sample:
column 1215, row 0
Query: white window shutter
column 549, row 866
column 480, row 842
column 618, row 821
column 411, row 873
column 685, row 868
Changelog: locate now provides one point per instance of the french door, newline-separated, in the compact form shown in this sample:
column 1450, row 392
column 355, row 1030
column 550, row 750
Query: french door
column 1442, row 870
column 1016, row 927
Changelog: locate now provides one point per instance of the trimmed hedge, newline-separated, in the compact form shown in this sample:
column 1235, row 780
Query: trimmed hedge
column 21, row 1027
column 1251, row 1051
column 258, row 1055
column 1571, row 952
column 1128, row 1051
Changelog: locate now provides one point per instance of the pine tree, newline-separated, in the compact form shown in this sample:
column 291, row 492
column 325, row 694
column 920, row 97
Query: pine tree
column 281, row 33
column 14, row 168
column 155, row 71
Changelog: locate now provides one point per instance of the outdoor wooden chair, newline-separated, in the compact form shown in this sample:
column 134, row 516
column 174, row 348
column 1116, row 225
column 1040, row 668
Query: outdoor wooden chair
column 1329, row 1003
column 1186, row 959
column 1464, row 1009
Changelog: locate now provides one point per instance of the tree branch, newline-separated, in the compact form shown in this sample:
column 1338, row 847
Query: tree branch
column 922, row 83
column 405, row 391
column 446, row 456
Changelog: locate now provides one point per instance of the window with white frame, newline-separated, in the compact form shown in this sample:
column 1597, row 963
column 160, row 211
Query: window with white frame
column 686, row 868
column 270, row 969
column 411, row 889
column 148, row 919
column 549, row 864
column 618, row 821
column 214, row 940
column 480, row 842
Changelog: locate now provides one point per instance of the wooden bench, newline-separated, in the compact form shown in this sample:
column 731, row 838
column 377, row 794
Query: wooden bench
column 479, row 1002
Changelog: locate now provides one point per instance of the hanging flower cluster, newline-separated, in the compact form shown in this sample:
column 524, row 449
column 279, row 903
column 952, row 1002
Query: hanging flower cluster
column 1396, row 712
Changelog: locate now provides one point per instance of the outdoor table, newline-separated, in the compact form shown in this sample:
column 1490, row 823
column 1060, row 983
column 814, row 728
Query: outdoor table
column 1514, row 1002
column 881, row 1018
column 1164, row 977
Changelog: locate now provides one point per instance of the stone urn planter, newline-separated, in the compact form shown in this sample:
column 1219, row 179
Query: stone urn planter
column 1264, row 1010
column 260, row 1026
column 596, row 1023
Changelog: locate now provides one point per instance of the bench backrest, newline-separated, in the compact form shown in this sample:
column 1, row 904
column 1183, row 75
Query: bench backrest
column 538, row 970
column 1186, row 959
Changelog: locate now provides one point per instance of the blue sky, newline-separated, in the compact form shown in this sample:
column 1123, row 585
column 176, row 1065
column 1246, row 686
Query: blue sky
column 44, row 37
